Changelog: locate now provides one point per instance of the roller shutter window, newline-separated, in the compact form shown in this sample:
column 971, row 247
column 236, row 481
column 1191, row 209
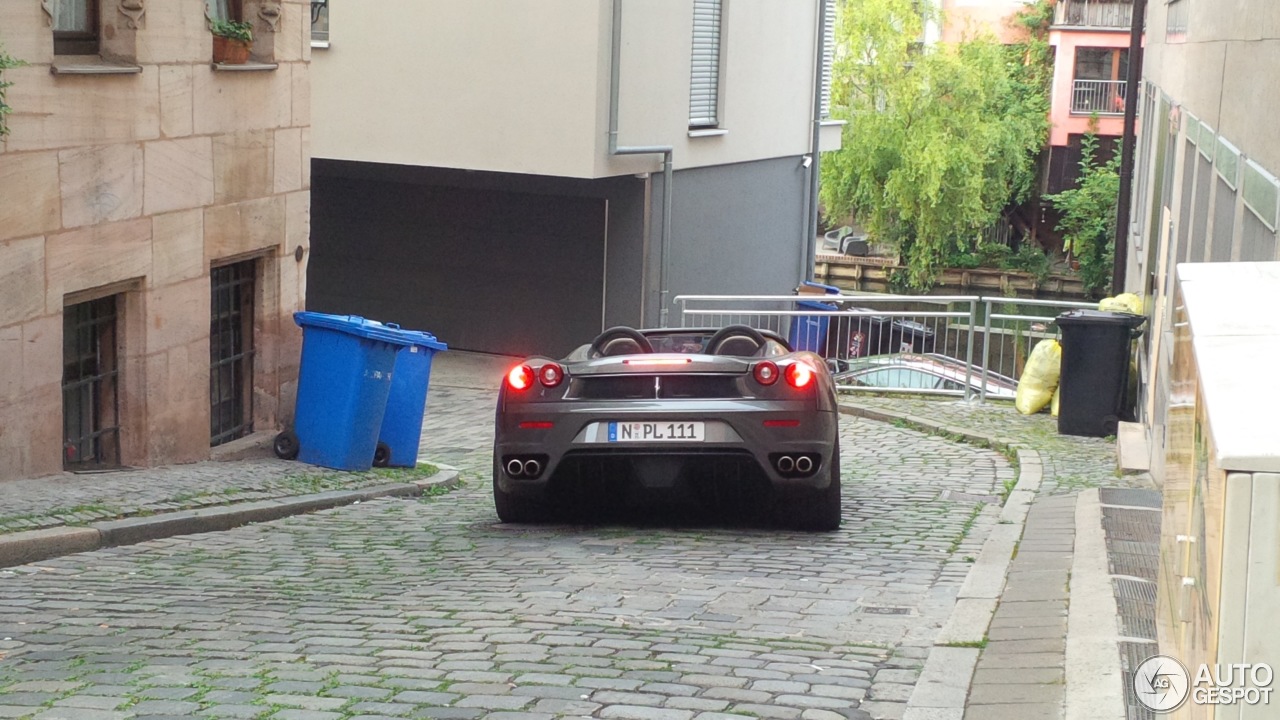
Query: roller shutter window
column 704, row 88
column 828, row 53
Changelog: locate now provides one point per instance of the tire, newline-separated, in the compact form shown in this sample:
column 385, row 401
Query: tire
column 820, row 511
column 382, row 455
column 286, row 445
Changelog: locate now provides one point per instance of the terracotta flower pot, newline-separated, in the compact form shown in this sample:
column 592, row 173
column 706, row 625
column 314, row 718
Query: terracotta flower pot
column 229, row 51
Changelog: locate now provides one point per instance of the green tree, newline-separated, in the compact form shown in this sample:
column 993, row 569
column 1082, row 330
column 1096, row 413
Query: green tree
column 6, row 61
column 939, row 139
column 1088, row 221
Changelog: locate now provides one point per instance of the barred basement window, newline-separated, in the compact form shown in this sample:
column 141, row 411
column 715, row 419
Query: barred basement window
column 90, row 385
column 231, row 352
column 320, row 23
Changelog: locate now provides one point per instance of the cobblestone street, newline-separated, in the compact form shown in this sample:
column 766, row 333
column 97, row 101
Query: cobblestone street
column 431, row 608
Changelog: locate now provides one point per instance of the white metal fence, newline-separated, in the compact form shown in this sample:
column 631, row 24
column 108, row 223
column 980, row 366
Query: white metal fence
column 957, row 345
column 1104, row 97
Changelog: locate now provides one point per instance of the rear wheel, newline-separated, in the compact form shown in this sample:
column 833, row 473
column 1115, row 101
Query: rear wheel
column 820, row 511
column 517, row 509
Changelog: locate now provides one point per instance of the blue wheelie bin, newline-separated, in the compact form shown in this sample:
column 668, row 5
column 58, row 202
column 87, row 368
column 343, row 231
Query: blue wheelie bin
column 343, row 384
column 809, row 332
column 402, row 424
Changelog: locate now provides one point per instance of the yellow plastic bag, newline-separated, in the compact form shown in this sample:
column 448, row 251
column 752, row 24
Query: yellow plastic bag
column 1057, row 396
column 1039, row 378
column 1124, row 302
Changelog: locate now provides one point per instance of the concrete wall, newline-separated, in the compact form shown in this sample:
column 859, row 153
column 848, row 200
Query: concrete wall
column 522, row 86
column 736, row 229
column 1210, row 85
column 135, row 184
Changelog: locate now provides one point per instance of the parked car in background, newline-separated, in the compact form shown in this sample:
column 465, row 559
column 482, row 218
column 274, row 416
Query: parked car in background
column 929, row 372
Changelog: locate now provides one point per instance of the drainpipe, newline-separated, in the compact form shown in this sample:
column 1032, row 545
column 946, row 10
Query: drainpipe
column 615, row 62
column 811, row 224
column 1125, row 202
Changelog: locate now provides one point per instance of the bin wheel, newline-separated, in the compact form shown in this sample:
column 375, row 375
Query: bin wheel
column 286, row 445
column 382, row 455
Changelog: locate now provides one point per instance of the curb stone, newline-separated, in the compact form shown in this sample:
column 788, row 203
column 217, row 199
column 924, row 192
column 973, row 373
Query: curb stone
column 943, row 688
column 31, row 546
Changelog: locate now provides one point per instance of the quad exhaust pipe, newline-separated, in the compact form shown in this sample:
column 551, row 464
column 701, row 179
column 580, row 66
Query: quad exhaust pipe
column 518, row 468
column 804, row 464
column 786, row 464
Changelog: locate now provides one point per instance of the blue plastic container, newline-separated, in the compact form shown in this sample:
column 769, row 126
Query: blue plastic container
column 343, row 384
column 402, row 423
column 809, row 332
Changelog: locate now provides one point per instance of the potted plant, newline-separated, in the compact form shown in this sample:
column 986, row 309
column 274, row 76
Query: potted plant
column 231, row 41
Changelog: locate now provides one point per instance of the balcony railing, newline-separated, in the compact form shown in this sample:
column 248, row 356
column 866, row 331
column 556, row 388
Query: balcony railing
column 1093, row 13
column 1104, row 97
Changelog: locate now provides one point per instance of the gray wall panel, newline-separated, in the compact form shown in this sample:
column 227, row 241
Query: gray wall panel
column 736, row 229
column 1224, row 222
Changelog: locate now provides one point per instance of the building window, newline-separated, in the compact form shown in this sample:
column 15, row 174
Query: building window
column 320, row 23
column 227, row 10
column 231, row 352
column 828, row 53
column 704, row 91
column 75, row 27
column 90, row 390
column 1176, row 13
column 1099, row 85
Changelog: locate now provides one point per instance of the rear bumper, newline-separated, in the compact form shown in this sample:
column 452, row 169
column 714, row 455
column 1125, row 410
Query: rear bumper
column 736, row 430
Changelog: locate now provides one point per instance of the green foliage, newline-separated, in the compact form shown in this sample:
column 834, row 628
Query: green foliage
column 7, row 61
column 939, row 139
column 241, row 31
column 1029, row 259
column 1089, row 216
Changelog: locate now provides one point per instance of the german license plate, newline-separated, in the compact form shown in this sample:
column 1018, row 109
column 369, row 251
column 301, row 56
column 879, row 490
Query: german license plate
column 657, row 432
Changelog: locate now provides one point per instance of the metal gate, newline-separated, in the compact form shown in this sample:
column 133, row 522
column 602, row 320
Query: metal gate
column 90, row 385
column 231, row 352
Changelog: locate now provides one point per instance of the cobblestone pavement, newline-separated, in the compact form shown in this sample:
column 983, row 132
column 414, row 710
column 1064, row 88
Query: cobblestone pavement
column 431, row 608
column 1071, row 463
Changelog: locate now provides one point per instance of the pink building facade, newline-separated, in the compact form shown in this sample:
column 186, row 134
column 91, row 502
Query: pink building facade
column 966, row 18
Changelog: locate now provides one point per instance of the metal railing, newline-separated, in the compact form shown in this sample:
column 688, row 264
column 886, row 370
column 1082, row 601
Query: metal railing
column 1093, row 13
column 961, row 345
column 1104, row 97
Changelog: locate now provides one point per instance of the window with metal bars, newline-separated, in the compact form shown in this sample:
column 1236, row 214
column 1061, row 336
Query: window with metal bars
column 90, row 385
column 704, row 89
column 231, row 352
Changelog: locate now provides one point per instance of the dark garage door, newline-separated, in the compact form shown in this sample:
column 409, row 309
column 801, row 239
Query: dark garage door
column 484, row 270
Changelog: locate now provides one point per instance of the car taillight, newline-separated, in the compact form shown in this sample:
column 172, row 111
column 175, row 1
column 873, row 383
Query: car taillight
column 550, row 375
column 766, row 373
column 799, row 375
column 520, row 377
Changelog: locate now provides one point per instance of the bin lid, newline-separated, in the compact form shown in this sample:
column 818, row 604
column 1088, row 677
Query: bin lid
column 810, row 288
column 422, row 339
column 1100, row 317
column 352, row 325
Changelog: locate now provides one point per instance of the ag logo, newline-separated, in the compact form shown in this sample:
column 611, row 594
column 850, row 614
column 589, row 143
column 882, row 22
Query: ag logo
column 1161, row 683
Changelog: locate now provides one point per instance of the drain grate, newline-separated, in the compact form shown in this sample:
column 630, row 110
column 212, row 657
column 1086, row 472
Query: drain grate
column 1130, row 497
column 882, row 610
column 1134, row 590
column 1131, row 656
column 1132, row 525
column 1143, row 565
column 956, row 496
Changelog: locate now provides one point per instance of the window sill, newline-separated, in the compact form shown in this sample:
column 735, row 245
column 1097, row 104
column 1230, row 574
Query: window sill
column 708, row 132
column 92, row 66
column 319, row 44
column 250, row 66
column 832, row 123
